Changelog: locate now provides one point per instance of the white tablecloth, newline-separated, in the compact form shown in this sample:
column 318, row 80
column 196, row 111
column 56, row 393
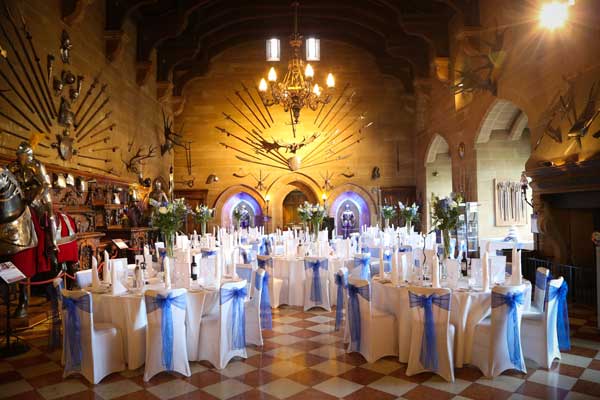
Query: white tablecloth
column 467, row 309
column 128, row 313
column 291, row 270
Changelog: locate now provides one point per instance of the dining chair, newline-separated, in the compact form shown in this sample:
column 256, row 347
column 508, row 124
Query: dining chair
column 83, row 278
column 245, row 271
column 361, row 268
column 372, row 331
column 253, row 309
column 166, row 344
column 91, row 349
column 543, row 338
column 276, row 285
column 431, row 333
column 316, row 283
column 223, row 331
column 341, row 282
column 536, row 310
column 497, row 339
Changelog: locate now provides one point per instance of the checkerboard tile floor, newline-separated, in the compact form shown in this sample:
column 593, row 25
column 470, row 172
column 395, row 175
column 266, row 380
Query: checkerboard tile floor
column 303, row 358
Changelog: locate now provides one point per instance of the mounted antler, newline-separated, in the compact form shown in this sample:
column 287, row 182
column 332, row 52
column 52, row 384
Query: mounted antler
column 171, row 138
column 134, row 162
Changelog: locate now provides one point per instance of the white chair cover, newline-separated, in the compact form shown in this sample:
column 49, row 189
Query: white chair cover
column 498, row 269
column 222, row 332
column 253, row 317
column 361, row 268
column 245, row 271
column 316, row 284
column 92, row 350
column 540, row 335
column 166, row 345
column 497, row 340
column 432, row 335
column 372, row 332
column 83, row 278
column 277, row 286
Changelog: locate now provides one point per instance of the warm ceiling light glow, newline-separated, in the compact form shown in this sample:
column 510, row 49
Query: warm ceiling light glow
column 268, row 198
column 330, row 81
column 262, row 86
column 309, row 72
column 554, row 15
column 272, row 75
column 324, row 196
column 273, row 50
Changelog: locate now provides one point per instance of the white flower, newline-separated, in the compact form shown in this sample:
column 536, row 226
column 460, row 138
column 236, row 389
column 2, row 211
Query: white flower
column 163, row 210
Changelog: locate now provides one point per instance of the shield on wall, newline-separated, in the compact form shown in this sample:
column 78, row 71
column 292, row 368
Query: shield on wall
column 65, row 147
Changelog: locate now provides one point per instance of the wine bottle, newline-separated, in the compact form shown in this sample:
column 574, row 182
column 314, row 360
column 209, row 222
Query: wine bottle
column 194, row 272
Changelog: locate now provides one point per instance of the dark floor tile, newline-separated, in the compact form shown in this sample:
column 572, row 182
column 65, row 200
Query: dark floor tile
column 540, row 391
column 361, row 375
column 484, row 392
column 367, row 393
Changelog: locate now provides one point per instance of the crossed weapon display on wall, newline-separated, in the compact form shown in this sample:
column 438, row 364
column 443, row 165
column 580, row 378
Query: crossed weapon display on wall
column 339, row 126
column 46, row 105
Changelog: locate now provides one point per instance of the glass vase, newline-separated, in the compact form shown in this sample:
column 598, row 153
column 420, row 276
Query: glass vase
column 170, row 243
column 386, row 223
column 408, row 227
column 203, row 227
column 446, row 239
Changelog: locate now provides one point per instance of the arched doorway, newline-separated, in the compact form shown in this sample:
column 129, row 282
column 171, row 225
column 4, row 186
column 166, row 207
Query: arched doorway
column 241, row 199
column 438, row 170
column 291, row 202
column 350, row 202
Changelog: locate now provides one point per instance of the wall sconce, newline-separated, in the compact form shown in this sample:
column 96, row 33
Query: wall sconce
column 267, row 200
column 324, row 198
column 524, row 186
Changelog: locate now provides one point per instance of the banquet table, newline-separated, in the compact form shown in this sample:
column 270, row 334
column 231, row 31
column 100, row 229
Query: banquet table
column 468, row 307
column 128, row 313
column 291, row 270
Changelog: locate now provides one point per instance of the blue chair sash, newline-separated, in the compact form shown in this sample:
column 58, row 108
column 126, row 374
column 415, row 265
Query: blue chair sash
column 264, row 248
column 562, row 317
column 513, row 339
column 387, row 261
column 238, row 316
column 541, row 280
column 207, row 253
column 262, row 262
column 354, row 320
column 166, row 324
column 404, row 249
column 72, row 338
column 315, row 289
column 429, row 354
column 266, row 315
column 364, row 263
column 341, row 280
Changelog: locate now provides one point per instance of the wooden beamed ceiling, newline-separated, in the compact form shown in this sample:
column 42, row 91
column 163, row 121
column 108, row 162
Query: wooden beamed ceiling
column 404, row 36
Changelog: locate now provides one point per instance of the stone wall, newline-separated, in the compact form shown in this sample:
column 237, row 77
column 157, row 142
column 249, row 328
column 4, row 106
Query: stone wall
column 499, row 158
column 134, row 109
column 387, row 144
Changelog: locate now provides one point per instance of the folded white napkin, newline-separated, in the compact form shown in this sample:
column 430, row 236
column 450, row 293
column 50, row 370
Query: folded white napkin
column 395, row 272
column 96, row 284
column 118, row 267
column 106, row 274
column 435, row 271
column 485, row 272
column 516, row 275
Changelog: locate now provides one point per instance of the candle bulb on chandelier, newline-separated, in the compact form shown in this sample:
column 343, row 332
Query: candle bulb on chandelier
column 272, row 75
column 309, row 72
column 330, row 80
column 262, row 86
column 317, row 90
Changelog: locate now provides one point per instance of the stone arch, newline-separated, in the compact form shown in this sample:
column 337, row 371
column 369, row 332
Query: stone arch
column 224, row 202
column 502, row 114
column 360, row 191
column 282, row 186
column 438, row 145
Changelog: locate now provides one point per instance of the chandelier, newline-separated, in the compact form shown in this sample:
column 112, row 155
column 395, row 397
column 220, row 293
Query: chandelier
column 296, row 90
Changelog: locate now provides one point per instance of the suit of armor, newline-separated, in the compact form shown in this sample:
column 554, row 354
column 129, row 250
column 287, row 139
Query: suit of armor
column 348, row 221
column 35, row 185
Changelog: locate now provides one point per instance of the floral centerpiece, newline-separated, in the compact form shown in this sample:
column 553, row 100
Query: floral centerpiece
column 445, row 217
column 203, row 214
column 312, row 213
column 168, row 218
column 410, row 214
column 388, row 212
column 237, row 215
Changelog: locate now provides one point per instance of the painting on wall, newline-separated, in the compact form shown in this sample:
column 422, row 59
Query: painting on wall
column 509, row 205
